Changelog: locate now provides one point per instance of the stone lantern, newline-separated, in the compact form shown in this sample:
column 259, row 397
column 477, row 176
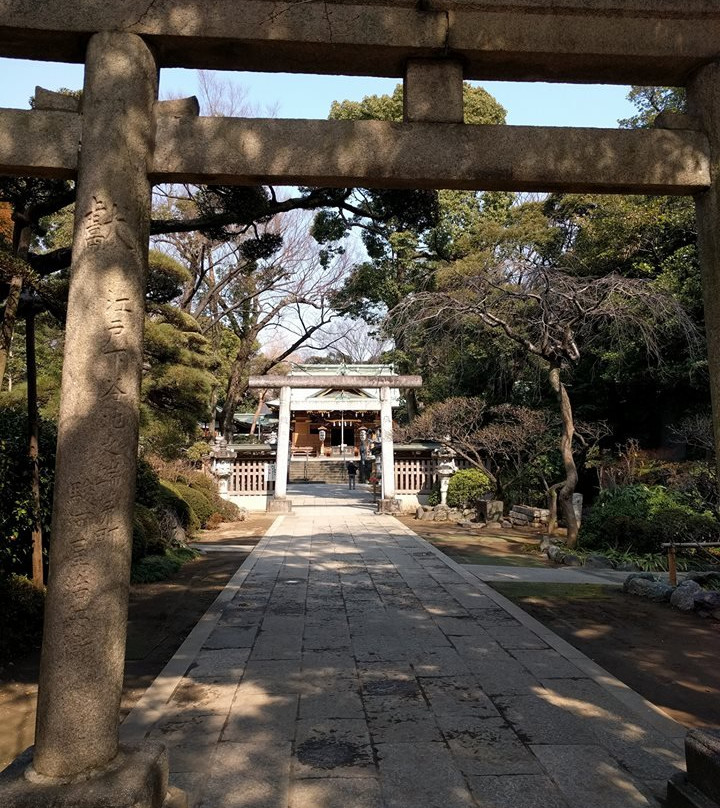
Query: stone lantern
column 222, row 463
column 446, row 467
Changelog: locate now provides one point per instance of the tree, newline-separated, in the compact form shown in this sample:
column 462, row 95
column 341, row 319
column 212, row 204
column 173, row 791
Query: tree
column 178, row 367
column 269, row 284
column 240, row 216
column 651, row 101
column 30, row 201
column 404, row 232
column 651, row 239
column 549, row 314
column 353, row 342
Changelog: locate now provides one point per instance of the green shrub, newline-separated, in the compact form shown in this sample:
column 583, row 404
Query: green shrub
column 434, row 495
column 202, row 482
column 198, row 451
column 466, row 487
column 139, row 539
column 21, row 607
column 171, row 498
column 149, row 531
column 198, row 502
column 214, row 521
column 16, row 502
column 160, row 567
column 147, row 484
column 639, row 518
column 229, row 511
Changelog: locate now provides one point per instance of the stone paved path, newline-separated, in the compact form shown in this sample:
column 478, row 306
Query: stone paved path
column 350, row 665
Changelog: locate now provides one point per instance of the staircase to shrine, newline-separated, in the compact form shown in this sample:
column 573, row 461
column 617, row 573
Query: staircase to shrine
column 318, row 470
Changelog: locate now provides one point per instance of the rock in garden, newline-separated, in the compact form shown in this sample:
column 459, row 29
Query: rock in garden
column 506, row 524
column 571, row 560
column 555, row 553
column 707, row 600
column 596, row 561
column 646, row 576
column 441, row 514
column 419, row 512
column 703, row 578
column 683, row 597
column 657, row 591
column 178, row 535
column 627, row 566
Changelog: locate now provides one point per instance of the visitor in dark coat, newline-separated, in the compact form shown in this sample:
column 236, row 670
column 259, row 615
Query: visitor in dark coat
column 352, row 472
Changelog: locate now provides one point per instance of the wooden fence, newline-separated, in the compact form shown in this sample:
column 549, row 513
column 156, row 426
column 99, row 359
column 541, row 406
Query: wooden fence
column 416, row 475
column 252, row 477
column 413, row 474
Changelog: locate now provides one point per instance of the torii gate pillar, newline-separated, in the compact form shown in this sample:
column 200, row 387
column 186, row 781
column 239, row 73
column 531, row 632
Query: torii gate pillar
column 388, row 503
column 704, row 103
column 77, row 760
column 280, row 503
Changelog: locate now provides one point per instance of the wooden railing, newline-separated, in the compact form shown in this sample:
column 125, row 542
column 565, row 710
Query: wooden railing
column 416, row 475
column 413, row 474
column 252, row 477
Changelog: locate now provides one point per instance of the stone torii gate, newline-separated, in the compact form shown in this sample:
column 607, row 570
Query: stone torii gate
column 122, row 141
column 280, row 503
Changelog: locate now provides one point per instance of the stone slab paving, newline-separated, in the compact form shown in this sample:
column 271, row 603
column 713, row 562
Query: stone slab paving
column 349, row 663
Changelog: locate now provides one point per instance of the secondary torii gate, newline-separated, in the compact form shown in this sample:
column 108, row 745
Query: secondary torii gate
column 122, row 141
column 280, row 503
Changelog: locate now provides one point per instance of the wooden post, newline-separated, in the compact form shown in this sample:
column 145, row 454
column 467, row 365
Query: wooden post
column 672, row 565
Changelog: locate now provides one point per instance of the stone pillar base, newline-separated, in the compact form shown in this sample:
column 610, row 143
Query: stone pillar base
column 700, row 787
column 136, row 778
column 683, row 794
column 388, row 506
column 279, row 506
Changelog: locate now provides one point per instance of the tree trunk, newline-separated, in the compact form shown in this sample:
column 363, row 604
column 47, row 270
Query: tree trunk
column 8, row 323
column 213, row 412
column 21, row 247
column 33, row 449
column 236, row 387
column 552, row 497
column 256, row 417
column 567, row 489
column 412, row 406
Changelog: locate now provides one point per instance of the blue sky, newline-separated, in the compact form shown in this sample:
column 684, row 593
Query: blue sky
column 295, row 96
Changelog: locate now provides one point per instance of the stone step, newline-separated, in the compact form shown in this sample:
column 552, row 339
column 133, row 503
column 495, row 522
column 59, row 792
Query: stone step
column 326, row 471
column 530, row 512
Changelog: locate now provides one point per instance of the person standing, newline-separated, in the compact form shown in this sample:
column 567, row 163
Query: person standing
column 352, row 472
